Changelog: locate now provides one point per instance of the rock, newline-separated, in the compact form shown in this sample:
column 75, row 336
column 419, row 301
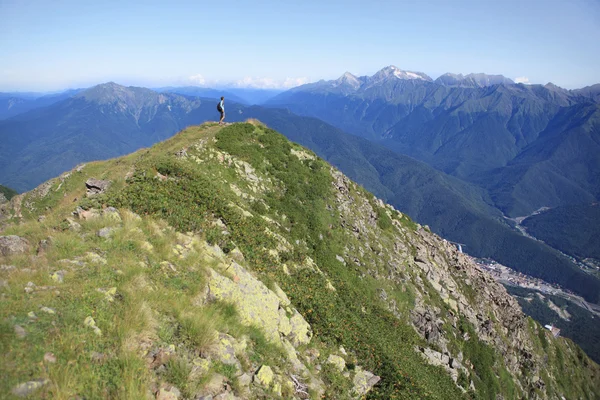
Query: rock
column 264, row 376
column 436, row 286
column 96, row 186
column 30, row 287
column 301, row 331
column 455, row 364
column 89, row 322
column 72, row 225
column 50, row 358
column 364, row 381
column 105, row 232
column 111, row 213
column 244, row 380
column 277, row 388
column 109, row 294
column 285, row 328
column 225, row 396
column 32, row 315
column 215, row 385
column 86, row 215
column 236, row 255
column 12, row 244
column 95, row 258
column 147, row 246
column 445, row 359
column 338, row 362
column 224, row 350
column 160, row 358
column 201, row 367
column 28, row 388
column 256, row 304
column 285, row 301
column 43, row 245
column 452, row 304
column 172, row 394
column 58, row 276
column 48, row 310
column 20, row 331
column 330, row 286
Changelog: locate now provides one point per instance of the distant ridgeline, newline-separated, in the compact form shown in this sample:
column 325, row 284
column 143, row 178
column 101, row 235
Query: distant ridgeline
column 230, row 262
column 530, row 146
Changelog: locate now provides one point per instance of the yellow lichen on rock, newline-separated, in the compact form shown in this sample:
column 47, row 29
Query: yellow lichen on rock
column 264, row 376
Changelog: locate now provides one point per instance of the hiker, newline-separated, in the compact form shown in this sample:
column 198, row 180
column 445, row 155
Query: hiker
column 221, row 109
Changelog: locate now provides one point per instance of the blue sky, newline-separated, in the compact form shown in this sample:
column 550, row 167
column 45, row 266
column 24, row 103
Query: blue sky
column 52, row 45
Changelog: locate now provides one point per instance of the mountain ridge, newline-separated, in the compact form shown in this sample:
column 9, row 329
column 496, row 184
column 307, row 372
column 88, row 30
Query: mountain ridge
column 468, row 132
column 416, row 318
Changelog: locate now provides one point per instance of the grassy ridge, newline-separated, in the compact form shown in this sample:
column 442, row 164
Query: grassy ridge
column 279, row 207
column 381, row 342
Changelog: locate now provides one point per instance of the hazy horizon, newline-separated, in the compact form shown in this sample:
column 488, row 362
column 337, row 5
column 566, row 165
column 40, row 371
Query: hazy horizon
column 50, row 46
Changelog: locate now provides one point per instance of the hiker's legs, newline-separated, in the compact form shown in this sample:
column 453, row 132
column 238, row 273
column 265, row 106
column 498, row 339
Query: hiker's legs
column 222, row 117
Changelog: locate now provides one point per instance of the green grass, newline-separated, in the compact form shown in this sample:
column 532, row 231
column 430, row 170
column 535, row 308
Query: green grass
column 157, row 290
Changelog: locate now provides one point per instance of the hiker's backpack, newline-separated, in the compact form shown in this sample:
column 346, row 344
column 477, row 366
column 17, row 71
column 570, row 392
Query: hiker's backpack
column 219, row 109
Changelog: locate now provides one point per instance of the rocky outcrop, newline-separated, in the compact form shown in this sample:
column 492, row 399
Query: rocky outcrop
column 444, row 272
column 27, row 389
column 12, row 244
column 364, row 381
column 96, row 186
column 257, row 304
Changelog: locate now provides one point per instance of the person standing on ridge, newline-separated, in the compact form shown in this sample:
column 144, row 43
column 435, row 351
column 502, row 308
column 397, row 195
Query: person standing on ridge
column 221, row 109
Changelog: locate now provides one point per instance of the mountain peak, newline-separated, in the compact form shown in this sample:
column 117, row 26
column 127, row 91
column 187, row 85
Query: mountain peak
column 111, row 92
column 348, row 79
column 473, row 80
column 392, row 71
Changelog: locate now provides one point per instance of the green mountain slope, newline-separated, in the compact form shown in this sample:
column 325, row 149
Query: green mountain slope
column 573, row 321
column 561, row 167
column 575, row 230
column 452, row 208
column 238, row 264
column 6, row 193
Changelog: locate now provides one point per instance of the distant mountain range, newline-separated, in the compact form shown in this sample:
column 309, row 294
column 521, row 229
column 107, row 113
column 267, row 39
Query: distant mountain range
column 529, row 145
column 111, row 120
column 12, row 104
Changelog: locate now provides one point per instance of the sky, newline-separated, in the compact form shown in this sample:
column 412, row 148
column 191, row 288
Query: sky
column 59, row 44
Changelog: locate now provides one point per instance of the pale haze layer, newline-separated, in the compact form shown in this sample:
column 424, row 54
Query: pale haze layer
column 53, row 45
